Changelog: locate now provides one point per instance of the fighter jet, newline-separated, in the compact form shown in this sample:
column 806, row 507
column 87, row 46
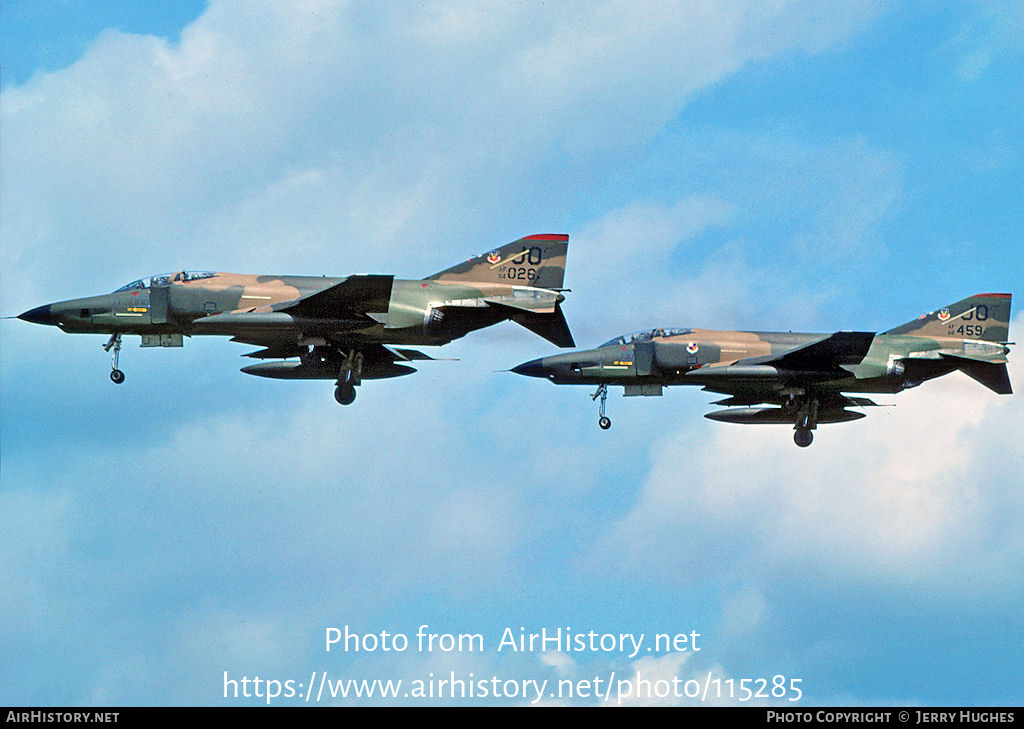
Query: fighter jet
column 791, row 378
column 331, row 328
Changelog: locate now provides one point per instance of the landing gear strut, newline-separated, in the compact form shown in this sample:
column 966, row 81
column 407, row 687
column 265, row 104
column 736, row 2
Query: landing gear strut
column 349, row 376
column 806, row 421
column 116, row 375
column 604, row 421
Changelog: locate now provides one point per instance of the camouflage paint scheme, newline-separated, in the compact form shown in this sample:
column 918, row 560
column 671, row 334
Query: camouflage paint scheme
column 801, row 378
column 332, row 328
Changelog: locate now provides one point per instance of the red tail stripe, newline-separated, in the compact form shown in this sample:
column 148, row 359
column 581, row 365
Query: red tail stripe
column 547, row 236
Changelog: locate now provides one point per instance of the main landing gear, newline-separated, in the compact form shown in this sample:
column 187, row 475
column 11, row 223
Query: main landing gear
column 806, row 419
column 604, row 421
column 349, row 376
column 803, row 437
column 116, row 375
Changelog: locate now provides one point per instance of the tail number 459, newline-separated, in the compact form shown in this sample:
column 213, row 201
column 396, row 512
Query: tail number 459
column 978, row 313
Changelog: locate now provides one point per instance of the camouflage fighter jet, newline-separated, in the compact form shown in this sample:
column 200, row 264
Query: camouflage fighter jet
column 332, row 328
column 793, row 378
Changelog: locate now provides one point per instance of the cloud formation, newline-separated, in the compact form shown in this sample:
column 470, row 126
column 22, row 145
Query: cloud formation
column 202, row 522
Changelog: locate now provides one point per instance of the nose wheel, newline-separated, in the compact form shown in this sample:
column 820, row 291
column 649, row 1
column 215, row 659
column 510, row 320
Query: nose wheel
column 604, row 422
column 114, row 343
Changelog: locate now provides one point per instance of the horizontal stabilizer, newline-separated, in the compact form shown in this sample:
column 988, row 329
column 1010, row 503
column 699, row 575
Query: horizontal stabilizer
column 552, row 327
column 992, row 375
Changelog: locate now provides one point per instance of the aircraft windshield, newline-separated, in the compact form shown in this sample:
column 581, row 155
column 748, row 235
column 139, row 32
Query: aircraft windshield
column 162, row 279
column 646, row 336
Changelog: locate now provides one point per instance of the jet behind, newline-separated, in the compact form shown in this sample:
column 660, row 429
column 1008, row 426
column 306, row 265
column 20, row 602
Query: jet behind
column 314, row 327
column 792, row 378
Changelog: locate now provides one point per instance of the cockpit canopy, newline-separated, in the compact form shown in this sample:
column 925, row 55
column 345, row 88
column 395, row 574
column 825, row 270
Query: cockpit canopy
column 646, row 336
column 162, row 279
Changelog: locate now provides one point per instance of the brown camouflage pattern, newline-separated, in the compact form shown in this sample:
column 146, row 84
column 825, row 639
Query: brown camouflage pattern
column 803, row 377
column 336, row 326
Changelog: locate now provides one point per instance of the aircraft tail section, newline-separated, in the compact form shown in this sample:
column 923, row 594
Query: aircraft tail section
column 552, row 327
column 982, row 317
column 992, row 375
column 536, row 260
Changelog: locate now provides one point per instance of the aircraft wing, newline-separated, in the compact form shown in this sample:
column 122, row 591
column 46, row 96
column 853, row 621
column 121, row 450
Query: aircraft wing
column 379, row 362
column 355, row 297
column 347, row 306
column 746, row 406
column 827, row 353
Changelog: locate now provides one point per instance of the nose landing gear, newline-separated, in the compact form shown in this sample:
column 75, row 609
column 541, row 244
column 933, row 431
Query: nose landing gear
column 604, row 422
column 116, row 375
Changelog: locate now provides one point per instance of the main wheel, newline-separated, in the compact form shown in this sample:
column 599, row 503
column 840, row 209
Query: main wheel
column 345, row 394
column 803, row 437
column 605, row 423
column 117, row 377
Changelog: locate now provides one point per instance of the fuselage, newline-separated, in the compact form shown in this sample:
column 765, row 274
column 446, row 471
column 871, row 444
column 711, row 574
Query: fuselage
column 195, row 303
column 709, row 358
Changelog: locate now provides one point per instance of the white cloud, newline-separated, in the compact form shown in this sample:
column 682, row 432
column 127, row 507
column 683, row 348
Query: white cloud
column 991, row 30
column 282, row 136
column 563, row 664
column 309, row 131
column 912, row 495
column 742, row 613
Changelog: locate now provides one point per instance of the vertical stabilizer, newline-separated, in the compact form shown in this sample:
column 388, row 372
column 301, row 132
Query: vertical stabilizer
column 984, row 317
column 536, row 260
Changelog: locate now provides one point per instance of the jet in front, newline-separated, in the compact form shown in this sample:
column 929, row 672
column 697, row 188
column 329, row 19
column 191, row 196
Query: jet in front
column 315, row 327
column 803, row 380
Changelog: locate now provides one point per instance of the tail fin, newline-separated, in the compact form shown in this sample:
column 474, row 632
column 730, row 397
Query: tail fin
column 984, row 317
column 536, row 260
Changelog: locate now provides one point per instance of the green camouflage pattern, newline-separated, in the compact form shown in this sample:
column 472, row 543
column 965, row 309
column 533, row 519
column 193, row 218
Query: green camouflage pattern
column 336, row 327
column 802, row 378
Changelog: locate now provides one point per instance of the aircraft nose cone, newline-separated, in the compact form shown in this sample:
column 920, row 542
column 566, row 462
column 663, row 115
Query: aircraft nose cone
column 533, row 368
column 40, row 315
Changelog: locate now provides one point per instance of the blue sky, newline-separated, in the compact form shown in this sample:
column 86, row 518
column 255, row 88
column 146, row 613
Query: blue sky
column 791, row 165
